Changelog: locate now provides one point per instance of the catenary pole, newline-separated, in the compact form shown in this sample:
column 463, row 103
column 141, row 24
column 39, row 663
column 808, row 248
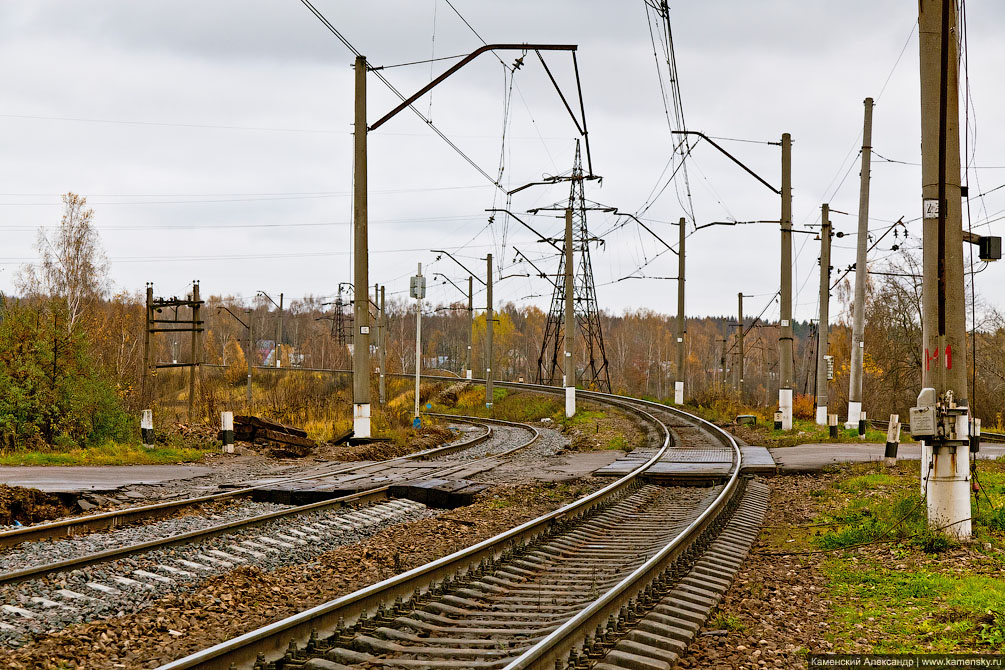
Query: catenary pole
column 361, row 312
column 946, row 458
column 861, row 276
column 488, row 331
column 823, row 325
column 785, row 317
column 471, row 324
column 418, row 344
column 382, row 351
column 738, row 371
column 570, row 321
column 678, row 392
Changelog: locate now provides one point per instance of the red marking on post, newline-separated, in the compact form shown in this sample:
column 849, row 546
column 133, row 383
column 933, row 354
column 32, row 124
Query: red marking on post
column 949, row 357
column 930, row 357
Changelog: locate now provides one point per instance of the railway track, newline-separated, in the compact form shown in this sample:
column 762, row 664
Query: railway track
column 121, row 517
column 39, row 594
column 620, row 578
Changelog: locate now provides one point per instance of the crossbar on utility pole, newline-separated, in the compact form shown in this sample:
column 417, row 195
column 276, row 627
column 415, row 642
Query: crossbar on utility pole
column 461, row 63
column 541, row 238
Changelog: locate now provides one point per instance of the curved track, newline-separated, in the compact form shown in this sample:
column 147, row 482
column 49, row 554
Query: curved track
column 217, row 548
column 572, row 582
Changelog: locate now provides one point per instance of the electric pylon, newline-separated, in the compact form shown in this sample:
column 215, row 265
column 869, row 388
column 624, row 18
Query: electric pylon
column 591, row 338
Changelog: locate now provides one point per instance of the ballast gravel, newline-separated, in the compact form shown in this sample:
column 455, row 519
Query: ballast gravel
column 30, row 554
column 123, row 586
column 503, row 438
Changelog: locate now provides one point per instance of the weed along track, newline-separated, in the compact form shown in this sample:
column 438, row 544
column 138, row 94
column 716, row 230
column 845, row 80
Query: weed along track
column 622, row 577
column 46, row 586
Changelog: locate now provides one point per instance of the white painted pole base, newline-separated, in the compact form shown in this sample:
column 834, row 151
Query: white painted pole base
column 949, row 492
column 361, row 420
column 467, row 374
column 227, row 428
column 678, row 393
column 822, row 415
column 926, row 462
column 854, row 414
column 147, row 428
column 570, row 401
column 785, row 407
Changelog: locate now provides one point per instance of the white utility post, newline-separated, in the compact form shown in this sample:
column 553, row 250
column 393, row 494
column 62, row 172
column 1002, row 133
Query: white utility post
column 418, row 291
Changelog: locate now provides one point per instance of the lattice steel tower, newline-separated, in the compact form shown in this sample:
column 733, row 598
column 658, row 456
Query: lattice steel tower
column 590, row 353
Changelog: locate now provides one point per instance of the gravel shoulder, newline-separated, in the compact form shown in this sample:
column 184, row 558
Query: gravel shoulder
column 776, row 610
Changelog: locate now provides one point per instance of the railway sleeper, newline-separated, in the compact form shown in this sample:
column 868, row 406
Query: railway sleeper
column 660, row 637
column 486, row 627
column 395, row 634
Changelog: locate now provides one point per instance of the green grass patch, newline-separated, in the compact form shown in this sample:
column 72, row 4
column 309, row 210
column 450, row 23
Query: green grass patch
column 507, row 405
column 909, row 611
column 730, row 622
column 111, row 453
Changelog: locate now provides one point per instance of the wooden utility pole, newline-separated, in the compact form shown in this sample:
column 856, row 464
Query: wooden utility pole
column 249, row 356
column 570, row 321
column 279, row 334
column 738, row 370
column 382, row 351
column 147, row 389
column 946, row 453
column 488, row 332
column 785, row 317
column 361, row 282
column 861, row 277
column 195, row 369
column 823, row 325
column 471, row 325
column 722, row 358
column 678, row 390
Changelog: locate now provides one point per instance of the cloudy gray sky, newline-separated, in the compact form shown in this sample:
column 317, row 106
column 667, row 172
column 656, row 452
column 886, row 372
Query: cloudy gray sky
column 214, row 140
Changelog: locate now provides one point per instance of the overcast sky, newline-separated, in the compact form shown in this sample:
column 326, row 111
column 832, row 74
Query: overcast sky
column 213, row 139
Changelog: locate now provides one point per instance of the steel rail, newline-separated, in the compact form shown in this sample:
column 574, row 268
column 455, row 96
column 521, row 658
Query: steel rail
column 273, row 640
column 360, row 498
column 451, row 448
column 115, row 518
column 557, row 645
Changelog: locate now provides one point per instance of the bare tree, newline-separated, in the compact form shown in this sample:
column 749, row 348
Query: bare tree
column 72, row 264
